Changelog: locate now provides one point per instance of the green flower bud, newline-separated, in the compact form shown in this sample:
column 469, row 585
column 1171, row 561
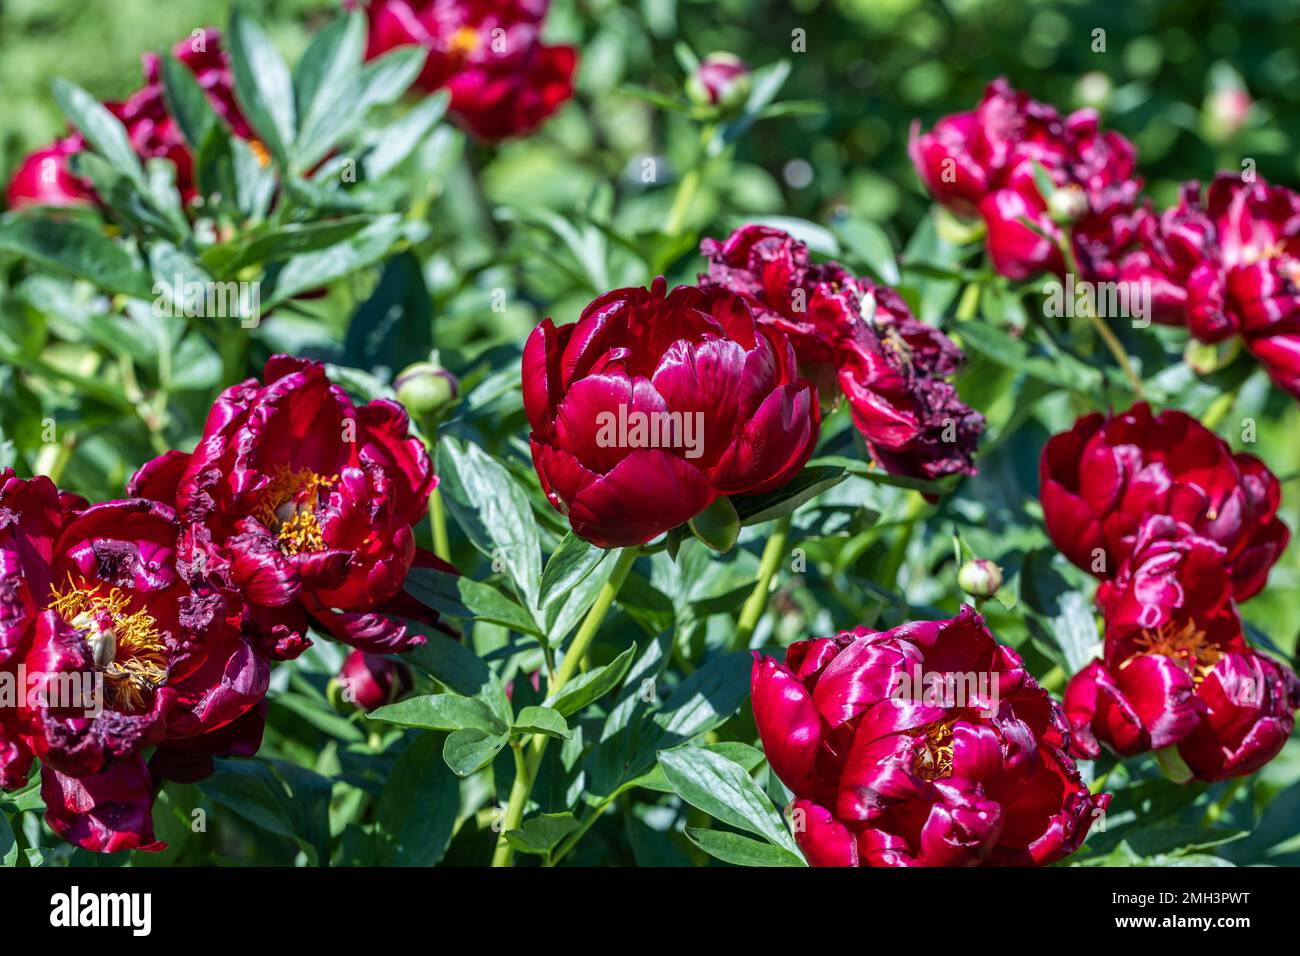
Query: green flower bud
column 718, row 525
column 426, row 388
column 980, row 578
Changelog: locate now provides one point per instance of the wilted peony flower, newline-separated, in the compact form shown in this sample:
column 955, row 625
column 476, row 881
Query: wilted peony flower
column 121, row 648
column 304, row 502
column 153, row 131
column 926, row 745
column 655, row 403
column 1228, row 267
column 982, row 162
column 1176, row 668
column 1106, row 474
column 861, row 339
column 374, row 680
column 488, row 53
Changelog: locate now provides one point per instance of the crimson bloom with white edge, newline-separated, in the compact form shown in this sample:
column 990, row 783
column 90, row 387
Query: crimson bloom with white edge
column 655, row 403
column 884, row 775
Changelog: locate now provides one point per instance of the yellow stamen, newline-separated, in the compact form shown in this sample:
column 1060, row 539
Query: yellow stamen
column 260, row 152
column 464, row 41
column 935, row 761
column 130, row 652
column 288, row 507
column 1187, row 645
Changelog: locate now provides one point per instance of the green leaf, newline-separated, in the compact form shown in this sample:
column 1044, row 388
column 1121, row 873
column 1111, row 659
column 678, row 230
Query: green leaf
column 563, row 617
column 283, row 242
column 277, row 796
column 869, row 243
column 8, row 845
column 312, row 270
column 572, row 561
column 393, row 327
column 452, row 663
column 541, row 834
column 802, row 488
column 486, row 603
column 263, row 85
column 326, row 69
column 440, row 712
column 102, row 129
column 398, row 140
column 417, row 810
column 319, row 717
column 869, row 471
column 704, row 700
column 593, row 685
column 542, row 720
column 79, row 249
column 187, row 102
column 723, row 790
column 745, row 756
column 494, row 512
column 741, row 850
column 470, row 749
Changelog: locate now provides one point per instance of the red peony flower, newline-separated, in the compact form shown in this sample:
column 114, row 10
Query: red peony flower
column 1106, row 474
column 862, row 338
column 375, row 680
column 982, row 162
column 488, row 53
column 1176, row 669
column 43, row 177
column 1230, row 266
column 114, row 647
column 926, row 745
column 655, row 403
column 304, row 503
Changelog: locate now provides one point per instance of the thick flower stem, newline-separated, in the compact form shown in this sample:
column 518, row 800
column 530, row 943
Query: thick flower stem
column 529, row 752
column 438, row 522
column 756, row 603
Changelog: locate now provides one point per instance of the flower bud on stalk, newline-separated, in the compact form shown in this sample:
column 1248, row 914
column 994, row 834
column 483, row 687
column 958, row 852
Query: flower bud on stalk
column 722, row 80
column 426, row 389
column 980, row 578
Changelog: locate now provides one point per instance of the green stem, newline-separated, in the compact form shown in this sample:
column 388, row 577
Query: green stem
column 1106, row 333
column 569, row 842
column 686, row 191
column 1218, row 808
column 438, row 522
column 526, row 764
column 756, row 603
column 970, row 301
column 1219, row 409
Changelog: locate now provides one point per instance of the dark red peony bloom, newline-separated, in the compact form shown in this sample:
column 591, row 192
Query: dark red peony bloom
column 655, row 403
column 982, row 162
column 862, row 338
column 116, row 646
column 1176, row 669
column 374, row 680
column 488, row 53
column 43, row 177
column 1106, row 474
column 1228, row 267
column 926, row 745
column 304, row 503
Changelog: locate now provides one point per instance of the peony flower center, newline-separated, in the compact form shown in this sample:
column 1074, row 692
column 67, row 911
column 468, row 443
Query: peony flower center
column 933, row 759
column 125, row 645
column 289, row 508
column 1186, row 645
column 463, row 42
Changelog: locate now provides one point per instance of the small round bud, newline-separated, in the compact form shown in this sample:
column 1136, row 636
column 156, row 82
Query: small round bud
column 1226, row 111
column 426, row 388
column 1068, row 204
column 980, row 578
column 722, row 80
column 718, row 525
column 1093, row 90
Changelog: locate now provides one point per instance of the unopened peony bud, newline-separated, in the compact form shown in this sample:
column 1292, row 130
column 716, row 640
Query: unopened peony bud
column 721, row 80
column 718, row 525
column 980, row 578
column 373, row 680
column 1226, row 111
column 426, row 388
column 1068, row 204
